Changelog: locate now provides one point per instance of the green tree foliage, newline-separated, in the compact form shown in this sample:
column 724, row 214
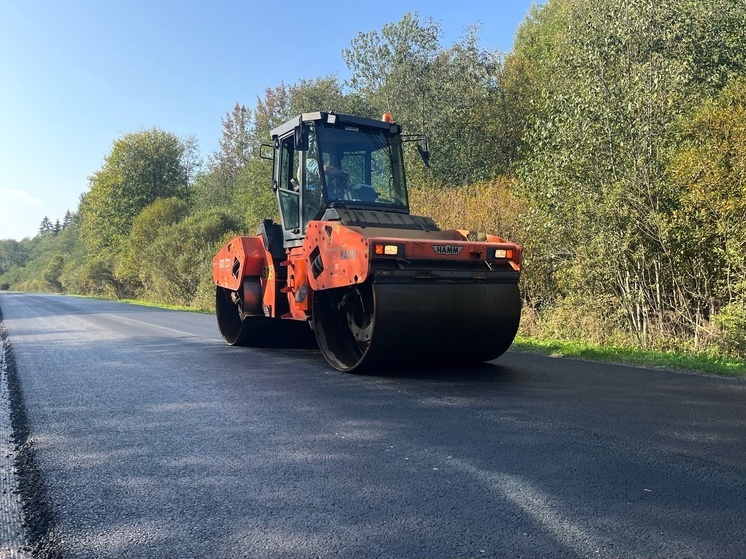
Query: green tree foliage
column 54, row 271
column 210, row 190
column 215, row 187
column 12, row 254
column 391, row 67
column 614, row 79
column 456, row 95
column 322, row 94
column 271, row 111
column 254, row 199
column 708, row 169
column 141, row 167
column 40, row 264
column 472, row 116
column 235, row 142
column 93, row 276
column 394, row 70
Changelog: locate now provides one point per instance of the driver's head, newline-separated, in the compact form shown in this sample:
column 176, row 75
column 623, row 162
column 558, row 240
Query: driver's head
column 336, row 180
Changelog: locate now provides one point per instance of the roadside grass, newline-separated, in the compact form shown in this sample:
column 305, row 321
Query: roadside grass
column 695, row 362
column 144, row 303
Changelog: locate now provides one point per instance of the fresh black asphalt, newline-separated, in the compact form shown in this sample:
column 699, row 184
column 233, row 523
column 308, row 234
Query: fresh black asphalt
column 152, row 438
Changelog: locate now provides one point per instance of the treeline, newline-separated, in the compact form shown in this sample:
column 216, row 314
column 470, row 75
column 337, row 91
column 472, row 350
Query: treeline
column 611, row 143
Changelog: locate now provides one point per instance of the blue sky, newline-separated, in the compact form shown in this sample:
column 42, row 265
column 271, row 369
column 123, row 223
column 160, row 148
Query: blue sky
column 77, row 75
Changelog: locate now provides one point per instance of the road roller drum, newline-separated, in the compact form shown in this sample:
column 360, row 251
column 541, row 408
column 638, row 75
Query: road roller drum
column 417, row 324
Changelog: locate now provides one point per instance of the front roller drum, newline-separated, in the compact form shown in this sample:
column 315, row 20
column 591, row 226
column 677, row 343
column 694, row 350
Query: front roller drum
column 414, row 323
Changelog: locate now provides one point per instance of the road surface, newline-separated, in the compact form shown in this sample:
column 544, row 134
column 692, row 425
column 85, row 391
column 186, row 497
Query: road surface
column 152, row 438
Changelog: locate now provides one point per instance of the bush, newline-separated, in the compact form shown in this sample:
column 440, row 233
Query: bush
column 578, row 317
column 487, row 207
column 184, row 253
column 94, row 278
column 730, row 329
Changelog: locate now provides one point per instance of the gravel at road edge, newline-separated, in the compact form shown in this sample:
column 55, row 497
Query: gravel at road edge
column 28, row 523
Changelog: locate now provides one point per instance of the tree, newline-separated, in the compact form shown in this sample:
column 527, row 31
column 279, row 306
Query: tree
column 12, row 254
column 271, row 111
column 390, row 67
column 215, row 187
column 468, row 114
column 235, row 143
column 254, row 199
column 456, row 95
column 324, row 94
column 141, row 167
column 54, row 271
column 394, row 70
column 46, row 226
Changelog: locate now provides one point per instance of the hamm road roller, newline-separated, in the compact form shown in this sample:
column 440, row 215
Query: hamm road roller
column 349, row 265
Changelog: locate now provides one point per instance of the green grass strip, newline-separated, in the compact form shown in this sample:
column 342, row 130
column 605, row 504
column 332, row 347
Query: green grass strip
column 695, row 362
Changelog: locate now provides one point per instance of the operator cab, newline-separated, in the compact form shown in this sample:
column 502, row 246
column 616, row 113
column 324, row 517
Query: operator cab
column 326, row 160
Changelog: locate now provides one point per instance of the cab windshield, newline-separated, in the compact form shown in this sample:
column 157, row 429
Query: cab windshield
column 360, row 167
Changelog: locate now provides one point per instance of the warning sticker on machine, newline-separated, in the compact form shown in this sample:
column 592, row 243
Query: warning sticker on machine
column 447, row 250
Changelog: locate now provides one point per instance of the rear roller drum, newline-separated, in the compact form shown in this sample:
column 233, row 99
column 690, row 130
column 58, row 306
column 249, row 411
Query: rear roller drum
column 236, row 328
column 240, row 329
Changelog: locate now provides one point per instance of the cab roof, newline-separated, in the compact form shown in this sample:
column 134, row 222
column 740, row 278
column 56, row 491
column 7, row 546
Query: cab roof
column 334, row 118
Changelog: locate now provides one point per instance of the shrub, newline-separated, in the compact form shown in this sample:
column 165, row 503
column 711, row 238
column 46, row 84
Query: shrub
column 578, row 317
column 730, row 329
column 184, row 253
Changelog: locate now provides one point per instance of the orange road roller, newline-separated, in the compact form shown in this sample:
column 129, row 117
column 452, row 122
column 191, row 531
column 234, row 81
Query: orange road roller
column 349, row 265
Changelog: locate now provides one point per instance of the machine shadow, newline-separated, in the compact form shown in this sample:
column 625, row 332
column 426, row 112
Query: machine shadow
column 491, row 373
column 449, row 372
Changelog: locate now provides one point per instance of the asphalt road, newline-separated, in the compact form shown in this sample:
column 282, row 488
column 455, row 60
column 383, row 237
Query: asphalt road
column 155, row 439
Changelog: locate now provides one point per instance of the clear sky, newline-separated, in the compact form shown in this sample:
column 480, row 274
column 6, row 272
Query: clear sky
column 76, row 75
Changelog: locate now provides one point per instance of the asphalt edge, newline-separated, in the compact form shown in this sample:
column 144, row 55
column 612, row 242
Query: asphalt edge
column 38, row 513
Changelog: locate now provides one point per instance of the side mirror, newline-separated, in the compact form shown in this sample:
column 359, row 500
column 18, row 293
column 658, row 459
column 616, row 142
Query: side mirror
column 266, row 151
column 300, row 138
column 424, row 154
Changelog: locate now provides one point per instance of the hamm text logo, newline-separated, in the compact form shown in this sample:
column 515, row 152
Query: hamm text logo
column 447, row 250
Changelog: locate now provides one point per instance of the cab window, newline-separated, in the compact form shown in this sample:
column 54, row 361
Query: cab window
column 288, row 186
